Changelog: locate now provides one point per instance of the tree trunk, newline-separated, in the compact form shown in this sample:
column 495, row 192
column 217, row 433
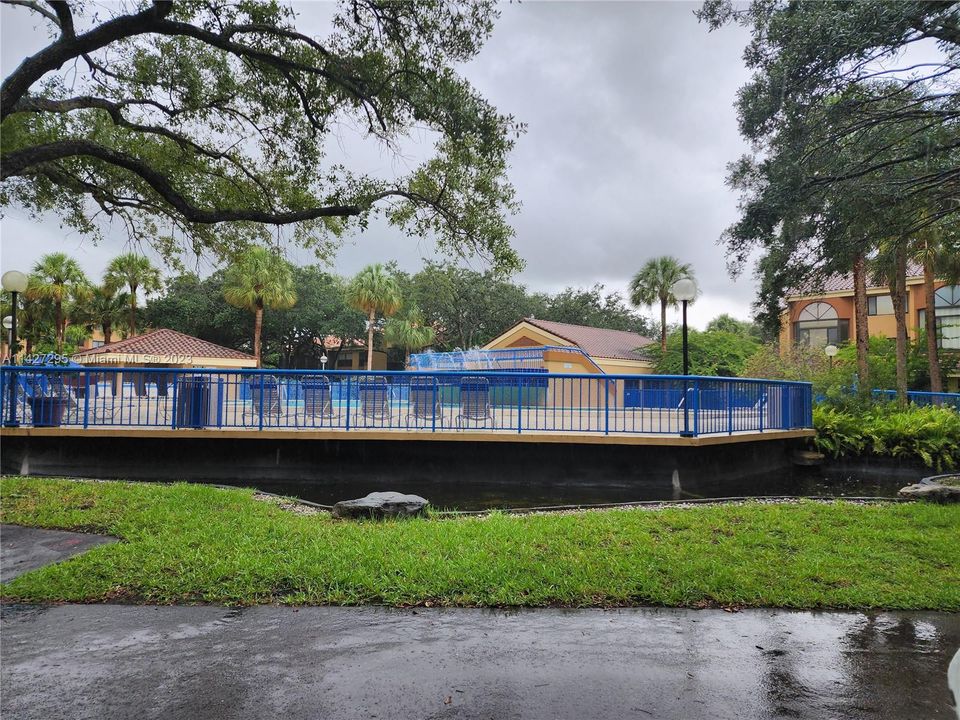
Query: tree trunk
column 930, row 323
column 860, row 321
column 133, row 310
column 59, row 332
column 898, row 291
column 107, row 332
column 663, row 326
column 257, row 328
column 370, row 340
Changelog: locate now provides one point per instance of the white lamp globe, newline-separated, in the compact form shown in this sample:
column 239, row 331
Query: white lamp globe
column 8, row 322
column 684, row 289
column 831, row 350
column 14, row 281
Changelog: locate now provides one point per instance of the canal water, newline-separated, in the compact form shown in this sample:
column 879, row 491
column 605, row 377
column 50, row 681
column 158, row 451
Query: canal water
column 448, row 493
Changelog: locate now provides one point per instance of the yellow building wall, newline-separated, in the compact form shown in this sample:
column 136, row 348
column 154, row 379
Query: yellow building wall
column 618, row 366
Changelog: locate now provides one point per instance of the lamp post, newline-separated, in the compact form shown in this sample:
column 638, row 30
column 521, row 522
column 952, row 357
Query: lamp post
column 831, row 352
column 323, row 361
column 14, row 282
column 685, row 290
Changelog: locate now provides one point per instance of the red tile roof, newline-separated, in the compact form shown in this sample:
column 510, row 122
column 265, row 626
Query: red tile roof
column 167, row 342
column 598, row 342
column 839, row 283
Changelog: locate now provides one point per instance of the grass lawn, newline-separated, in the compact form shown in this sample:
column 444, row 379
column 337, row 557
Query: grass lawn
column 194, row 543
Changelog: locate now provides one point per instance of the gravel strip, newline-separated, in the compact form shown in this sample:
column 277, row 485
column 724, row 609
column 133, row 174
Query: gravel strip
column 294, row 506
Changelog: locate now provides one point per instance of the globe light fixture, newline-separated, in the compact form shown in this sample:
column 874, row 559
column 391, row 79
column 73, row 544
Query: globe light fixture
column 8, row 322
column 323, row 361
column 684, row 289
column 831, row 352
column 14, row 281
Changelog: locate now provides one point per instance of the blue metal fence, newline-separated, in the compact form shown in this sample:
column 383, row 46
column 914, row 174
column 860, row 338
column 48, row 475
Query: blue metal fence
column 919, row 397
column 519, row 402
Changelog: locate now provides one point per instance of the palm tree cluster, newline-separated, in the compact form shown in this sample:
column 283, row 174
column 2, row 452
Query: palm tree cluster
column 62, row 306
column 260, row 279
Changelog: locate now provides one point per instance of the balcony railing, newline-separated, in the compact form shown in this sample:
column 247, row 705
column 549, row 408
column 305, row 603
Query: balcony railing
column 517, row 402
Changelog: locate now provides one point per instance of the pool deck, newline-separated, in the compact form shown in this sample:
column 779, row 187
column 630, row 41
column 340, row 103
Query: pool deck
column 423, row 434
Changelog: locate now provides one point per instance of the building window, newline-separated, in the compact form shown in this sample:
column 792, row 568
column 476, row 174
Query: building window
column 883, row 305
column 818, row 324
column 947, row 304
column 96, row 343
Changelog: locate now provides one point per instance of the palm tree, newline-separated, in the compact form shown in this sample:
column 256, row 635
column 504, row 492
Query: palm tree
column 105, row 308
column 132, row 271
column 939, row 260
column 54, row 278
column 654, row 283
column 410, row 333
column 374, row 291
column 259, row 279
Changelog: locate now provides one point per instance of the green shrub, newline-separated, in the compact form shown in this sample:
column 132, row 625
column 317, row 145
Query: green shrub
column 928, row 434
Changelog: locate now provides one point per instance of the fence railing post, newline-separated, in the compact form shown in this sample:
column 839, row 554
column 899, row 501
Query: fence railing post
column 174, row 407
column 260, row 404
column 606, row 408
column 519, row 403
column 433, row 404
column 347, row 427
column 86, row 399
column 696, row 407
column 220, row 402
column 762, row 404
column 730, row 386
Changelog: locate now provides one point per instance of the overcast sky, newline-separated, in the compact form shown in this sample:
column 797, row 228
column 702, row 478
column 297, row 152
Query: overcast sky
column 629, row 108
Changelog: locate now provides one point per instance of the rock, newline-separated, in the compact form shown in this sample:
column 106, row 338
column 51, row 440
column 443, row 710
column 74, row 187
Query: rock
column 931, row 490
column 380, row 505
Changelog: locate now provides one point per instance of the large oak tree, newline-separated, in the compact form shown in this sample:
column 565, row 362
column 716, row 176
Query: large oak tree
column 201, row 125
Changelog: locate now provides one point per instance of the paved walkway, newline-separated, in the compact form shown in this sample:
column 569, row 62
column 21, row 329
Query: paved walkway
column 23, row 549
column 111, row 662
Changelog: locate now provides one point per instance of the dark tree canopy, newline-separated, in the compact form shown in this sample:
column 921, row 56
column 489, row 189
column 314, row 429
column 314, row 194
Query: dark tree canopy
column 596, row 308
column 853, row 142
column 201, row 125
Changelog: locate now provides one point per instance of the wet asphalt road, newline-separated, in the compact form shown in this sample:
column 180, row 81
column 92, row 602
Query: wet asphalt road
column 110, row 662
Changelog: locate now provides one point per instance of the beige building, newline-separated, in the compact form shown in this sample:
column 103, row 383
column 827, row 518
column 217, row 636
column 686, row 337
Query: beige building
column 603, row 351
column 826, row 316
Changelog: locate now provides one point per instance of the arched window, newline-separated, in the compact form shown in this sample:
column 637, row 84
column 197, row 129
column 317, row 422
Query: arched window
column 819, row 324
column 947, row 297
column 818, row 311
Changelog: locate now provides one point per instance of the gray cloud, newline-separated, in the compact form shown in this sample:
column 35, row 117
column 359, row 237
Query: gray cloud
column 630, row 117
